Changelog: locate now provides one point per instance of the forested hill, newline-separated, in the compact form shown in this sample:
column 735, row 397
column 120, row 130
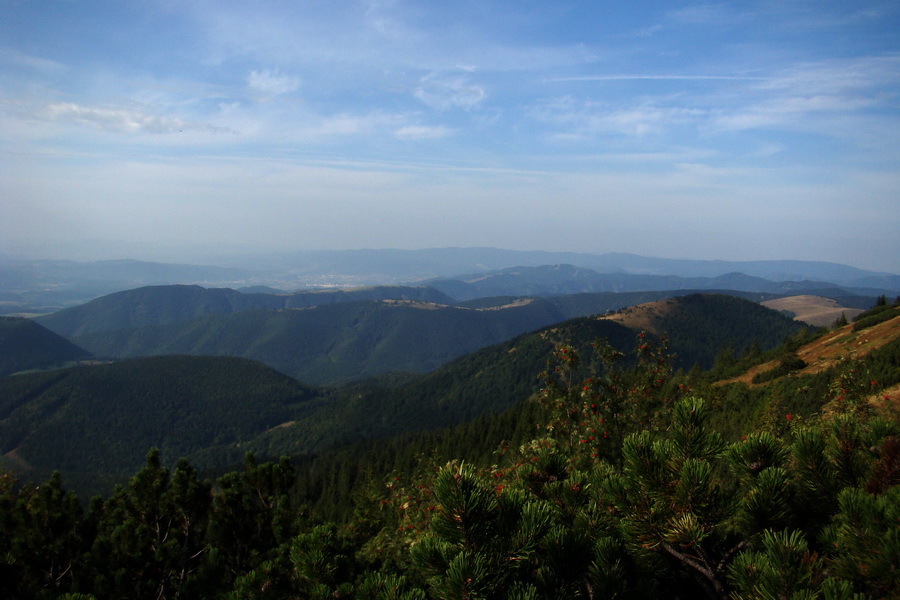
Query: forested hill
column 700, row 326
column 94, row 423
column 334, row 342
column 788, row 489
column 98, row 421
column 336, row 339
column 47, row 414
column 160, row 305
column 26, row 345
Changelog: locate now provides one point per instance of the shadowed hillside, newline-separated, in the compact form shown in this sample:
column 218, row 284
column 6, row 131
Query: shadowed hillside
column 101, row 419
column 26, row 345
column 333, row 342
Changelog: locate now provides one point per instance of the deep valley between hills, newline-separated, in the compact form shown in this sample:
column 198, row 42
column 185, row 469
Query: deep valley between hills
column 527, row 408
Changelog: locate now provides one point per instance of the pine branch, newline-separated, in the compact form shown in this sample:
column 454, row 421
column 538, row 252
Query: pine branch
column 714, row 587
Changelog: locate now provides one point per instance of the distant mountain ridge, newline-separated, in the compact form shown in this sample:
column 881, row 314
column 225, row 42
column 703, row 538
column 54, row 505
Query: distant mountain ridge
column 42, row 286
column 562, row 279
column 432, row 263
column 161, row 305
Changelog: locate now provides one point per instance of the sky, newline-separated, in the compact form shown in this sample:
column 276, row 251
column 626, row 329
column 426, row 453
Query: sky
column 171, row 130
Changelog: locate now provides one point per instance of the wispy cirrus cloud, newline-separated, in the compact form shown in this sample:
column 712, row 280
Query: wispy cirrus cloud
column 272, row 83
column 120, row 120
column 422, row 132
column 445, row 93
column 581, row 118
column 838, row 76
column 792, row 95
column 640, row 77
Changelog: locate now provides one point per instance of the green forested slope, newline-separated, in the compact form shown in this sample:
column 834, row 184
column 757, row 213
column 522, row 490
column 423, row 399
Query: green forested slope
column 490, row 380
column 149, row 305
column 338, row 342
column 100, row 420
column 620, row 484
column 163, row 304
column 701, row 324
column 333, row 342
column 80, row 420
column 215, row 409
column 26, row 345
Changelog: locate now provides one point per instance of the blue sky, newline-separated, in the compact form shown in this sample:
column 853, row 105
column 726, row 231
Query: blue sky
column 174, row 130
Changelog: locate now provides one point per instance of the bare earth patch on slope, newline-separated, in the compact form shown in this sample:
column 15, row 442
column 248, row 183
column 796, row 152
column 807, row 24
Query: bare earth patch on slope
column 815, row 310
column 420, row 304
column 643, row 317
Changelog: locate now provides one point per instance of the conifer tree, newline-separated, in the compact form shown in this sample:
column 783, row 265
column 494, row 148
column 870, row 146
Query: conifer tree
column 481, row 543
column 785, row 567
column 45, row 539
column 866, row 534
column 669, row 502
column 251, row 514
column 151, row 538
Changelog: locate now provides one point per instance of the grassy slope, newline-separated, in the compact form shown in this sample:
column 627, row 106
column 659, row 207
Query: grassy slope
column 831, row 348
column 815, row 310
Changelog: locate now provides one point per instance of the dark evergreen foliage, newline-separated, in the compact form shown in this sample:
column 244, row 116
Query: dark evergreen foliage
column 609, row 475
column 668, row 508
column 25, row 345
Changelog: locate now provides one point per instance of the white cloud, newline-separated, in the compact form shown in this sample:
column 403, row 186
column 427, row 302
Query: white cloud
column 421, row 132
column 795, row 95
column 838, row 76
column 119, row 120
column 272, row 83
column 790, row 112
column 581, row 118
column 446, row 94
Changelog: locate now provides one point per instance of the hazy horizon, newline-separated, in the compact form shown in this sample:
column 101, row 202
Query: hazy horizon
column 161, row 130
column 239, row 257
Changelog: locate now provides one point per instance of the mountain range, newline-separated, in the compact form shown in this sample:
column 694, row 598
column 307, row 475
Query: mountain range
column 352, row 334
column 568, row 279
column 29, row 287
column 210, row 372
column 95, row 421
